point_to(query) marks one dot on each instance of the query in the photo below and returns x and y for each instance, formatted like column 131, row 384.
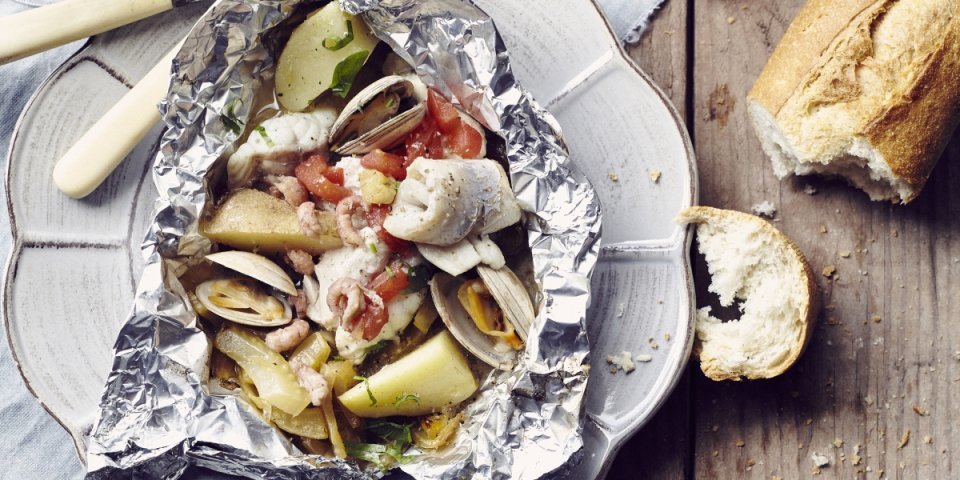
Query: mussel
column 379, row 116
column 490, row 316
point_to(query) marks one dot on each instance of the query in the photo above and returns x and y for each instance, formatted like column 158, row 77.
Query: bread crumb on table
column 904, row 440
column 643, row 357
column 823, row 229
column 829, row 271
column 613, row 177
column 876, row 318
column 765, row 209
column 837, row 443
column 730, row 20
column 923, row 412
column 819, row 460
column 927, row 439
column 809, row 189
column 845, row 253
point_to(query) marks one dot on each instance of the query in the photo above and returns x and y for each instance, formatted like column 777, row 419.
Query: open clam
column 489, row 316
column 242, row 301
column 379, row 116
column 257, row 267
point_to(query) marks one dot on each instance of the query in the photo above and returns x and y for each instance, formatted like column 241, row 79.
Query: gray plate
column 72, row 273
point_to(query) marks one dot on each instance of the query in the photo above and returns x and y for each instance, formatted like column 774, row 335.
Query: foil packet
column 158, row 414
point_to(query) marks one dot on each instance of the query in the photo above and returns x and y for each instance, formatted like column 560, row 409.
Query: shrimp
column 309, row 224
column 346, row 298
column 346, row 210
column 291, row 188
column 312, row 381
column 302, row 262
column 283, row 339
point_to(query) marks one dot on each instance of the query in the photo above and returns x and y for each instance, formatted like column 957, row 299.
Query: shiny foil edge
column 155, row 415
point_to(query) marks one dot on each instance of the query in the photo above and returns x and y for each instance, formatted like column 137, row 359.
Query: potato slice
column 428, row 379
column 256, row 221
column 319, row 56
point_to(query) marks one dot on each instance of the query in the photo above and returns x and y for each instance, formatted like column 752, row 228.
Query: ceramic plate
column 72, row 273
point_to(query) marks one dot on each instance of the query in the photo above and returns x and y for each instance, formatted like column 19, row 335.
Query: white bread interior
column 751, row 261
column 857, row 161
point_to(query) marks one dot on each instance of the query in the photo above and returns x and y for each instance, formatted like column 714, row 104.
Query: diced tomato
column 424, row 141
column 376, row 214
column 312, row 174
column 386, row 163
column 334, row 174
column 442, row 111
column 465, row 142
column 371, row 320
column 389, row 283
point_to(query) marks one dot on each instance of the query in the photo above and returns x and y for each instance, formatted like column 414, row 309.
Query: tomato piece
column 419, row 142
column 371, row 320
column 335, row 175
column 442, row 111
column 386, row 163
column 465, row 142
column 390, row 282
column 312, row 174
column 376, row 214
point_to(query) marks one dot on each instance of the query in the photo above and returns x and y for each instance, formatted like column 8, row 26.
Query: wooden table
column 873, row 391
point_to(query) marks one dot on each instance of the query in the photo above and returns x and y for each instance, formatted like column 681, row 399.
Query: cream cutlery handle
column 98, row 152
column 33, row 31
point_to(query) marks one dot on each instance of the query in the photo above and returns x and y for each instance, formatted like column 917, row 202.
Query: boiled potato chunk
column 252, row 220
column 377, row 188
column 429, row 378
column 307, row 66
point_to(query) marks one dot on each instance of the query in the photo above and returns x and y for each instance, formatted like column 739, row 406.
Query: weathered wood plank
column 886, row 341
column 661, row 449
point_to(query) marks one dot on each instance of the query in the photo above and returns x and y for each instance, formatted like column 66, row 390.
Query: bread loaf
column 751, row 261
column 868, row 90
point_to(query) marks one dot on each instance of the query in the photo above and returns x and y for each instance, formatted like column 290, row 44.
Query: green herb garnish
column 373, row 247
column 406, row 397
column 336, row 43
column 366, row 383
column 391, row 101
column 396, row 438
column 337, row 358
column 346, row 71
column 229, row 117
column 263, row 133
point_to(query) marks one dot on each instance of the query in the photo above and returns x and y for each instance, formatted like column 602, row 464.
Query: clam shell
column 205, row 289
column 257, row 267
column 443, row 289
column 511, row 295
column 387, row 134
column 382, row 135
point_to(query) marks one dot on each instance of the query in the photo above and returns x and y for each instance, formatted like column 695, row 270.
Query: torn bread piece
column 864, row 90
column 751, row 261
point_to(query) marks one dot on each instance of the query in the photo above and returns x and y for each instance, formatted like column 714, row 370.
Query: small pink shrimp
column 309, row 223
column 283, row 339
column 300, row 304
column 346, row 298
column 346, row 210
column 312, row 381
column 302, row 262
column 291, row 188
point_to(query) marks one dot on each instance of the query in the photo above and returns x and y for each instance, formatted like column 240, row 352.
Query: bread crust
column 911, row 126
column 713, row 370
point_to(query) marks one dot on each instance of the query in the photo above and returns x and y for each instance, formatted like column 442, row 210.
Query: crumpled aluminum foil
column 157, row 414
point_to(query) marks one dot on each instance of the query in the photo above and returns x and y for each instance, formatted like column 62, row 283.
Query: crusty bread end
column 865, row 90
column 752, row 261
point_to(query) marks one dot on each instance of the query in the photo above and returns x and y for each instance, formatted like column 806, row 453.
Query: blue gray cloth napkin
column 33, row 444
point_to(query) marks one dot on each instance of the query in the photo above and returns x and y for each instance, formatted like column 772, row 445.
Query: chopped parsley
column 395, row 438
column 366, row 383
column 391, row 100
column 373, row 247
column 336, row 43
column 377, row 347
column 346, row 71
column 406, row 397
column 263, row 133
column 229, row 117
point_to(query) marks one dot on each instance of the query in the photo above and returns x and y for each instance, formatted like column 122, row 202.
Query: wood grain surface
column 873, row 392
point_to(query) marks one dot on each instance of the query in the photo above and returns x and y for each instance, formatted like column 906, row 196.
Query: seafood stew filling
column 358, row 209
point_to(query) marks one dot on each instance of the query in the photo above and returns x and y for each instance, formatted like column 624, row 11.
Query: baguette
column 866, row 90
column 752, row 261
